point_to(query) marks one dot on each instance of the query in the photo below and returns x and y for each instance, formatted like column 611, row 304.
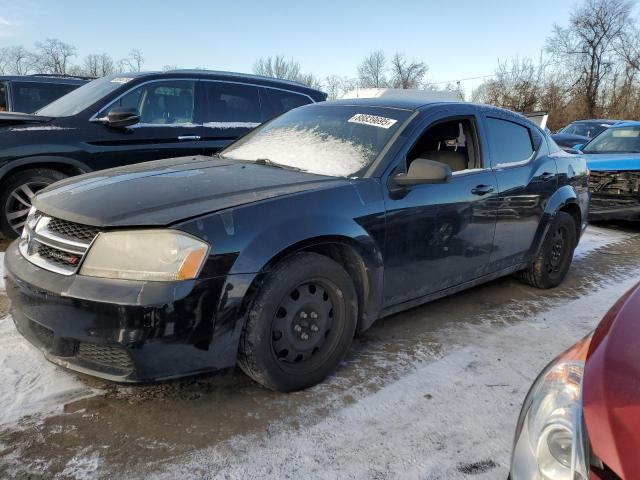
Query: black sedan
column 581, row 132
column 275, row 252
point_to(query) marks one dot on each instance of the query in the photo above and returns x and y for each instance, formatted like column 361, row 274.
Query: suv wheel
column 301, row 323
column 554, row 259
column 16, row 195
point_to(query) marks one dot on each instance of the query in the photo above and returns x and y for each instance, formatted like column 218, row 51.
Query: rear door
column 169, row 125
column 232, row 109
column 527, row 177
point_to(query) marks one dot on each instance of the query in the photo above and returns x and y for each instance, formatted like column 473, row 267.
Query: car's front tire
column 300, row 324
column 16, row 195
column 554, row 258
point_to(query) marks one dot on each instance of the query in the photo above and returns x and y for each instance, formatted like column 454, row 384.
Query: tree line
column 588, row 68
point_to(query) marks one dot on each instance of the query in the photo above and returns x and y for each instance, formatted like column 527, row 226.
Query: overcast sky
column 457, row 39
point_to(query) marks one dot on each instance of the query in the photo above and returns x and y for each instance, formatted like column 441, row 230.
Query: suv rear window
column 510, row 142
column 232, row 105
column 31, row 96
column 280, row 101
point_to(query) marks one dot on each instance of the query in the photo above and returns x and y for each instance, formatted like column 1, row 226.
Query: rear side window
column 3, row 98
column 30, row 96
column 168, row 102
column 232, row 105
column 280, row 101
column 510, row 142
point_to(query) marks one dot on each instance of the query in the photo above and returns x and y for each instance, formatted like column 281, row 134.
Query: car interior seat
column 446, row 143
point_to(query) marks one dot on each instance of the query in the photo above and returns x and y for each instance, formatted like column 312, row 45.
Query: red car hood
column 611, row 392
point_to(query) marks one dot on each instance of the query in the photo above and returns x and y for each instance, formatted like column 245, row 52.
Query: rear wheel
column 554, row 259
column 300, row 325
column 17, row 194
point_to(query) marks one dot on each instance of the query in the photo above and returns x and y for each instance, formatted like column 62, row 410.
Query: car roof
column 224, row 75
column 626, row 123
column 45, row 79
column 408, row 103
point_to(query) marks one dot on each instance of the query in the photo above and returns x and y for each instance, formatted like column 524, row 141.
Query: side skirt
column 451, row 290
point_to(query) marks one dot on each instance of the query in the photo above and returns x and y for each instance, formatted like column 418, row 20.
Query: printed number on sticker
column 373, row 120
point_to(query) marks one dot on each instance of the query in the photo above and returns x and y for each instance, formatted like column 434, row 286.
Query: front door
column 441, row 235
column 168, row 126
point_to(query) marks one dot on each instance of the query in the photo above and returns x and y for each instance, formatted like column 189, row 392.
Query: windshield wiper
column 271, row 163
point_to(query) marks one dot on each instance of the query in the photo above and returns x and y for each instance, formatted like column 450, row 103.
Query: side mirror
column 422, row 170
column 573, row 151
column 578, row 147
column 122, row 117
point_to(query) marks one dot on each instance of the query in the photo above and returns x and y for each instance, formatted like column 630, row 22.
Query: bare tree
column 277, row 67
column 372, row 70
column 16, row 60
column 54, row 56
column 133, row 63
column 588, row 45
column 98, row 65
column 167, row 68
column 406, row 74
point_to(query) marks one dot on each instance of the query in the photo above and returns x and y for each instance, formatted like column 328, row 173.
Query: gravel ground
column 431, row 393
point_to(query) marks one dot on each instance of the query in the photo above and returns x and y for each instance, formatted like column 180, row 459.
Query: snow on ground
column 30, row 384
column 596, row 237
column 449, row 418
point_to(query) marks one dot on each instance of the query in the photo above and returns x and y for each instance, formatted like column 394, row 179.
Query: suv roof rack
column 57, row 75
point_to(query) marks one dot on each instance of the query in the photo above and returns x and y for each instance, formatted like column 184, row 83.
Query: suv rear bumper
column 127, row 331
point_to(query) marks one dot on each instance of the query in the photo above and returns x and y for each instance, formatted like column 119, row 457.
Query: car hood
column 611, row 388
column 606, row 162
column 569, row 137
column 168, row 191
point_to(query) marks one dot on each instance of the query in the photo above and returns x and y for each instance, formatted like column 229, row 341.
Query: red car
column 581, row 418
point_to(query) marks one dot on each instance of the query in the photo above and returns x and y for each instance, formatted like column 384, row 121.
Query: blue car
column 614, row 160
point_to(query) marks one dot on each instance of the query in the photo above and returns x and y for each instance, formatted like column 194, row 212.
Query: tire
column 23, row 184
column 554, row 259
column 300, row 324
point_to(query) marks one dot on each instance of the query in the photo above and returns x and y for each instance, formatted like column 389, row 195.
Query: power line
column 463, row 79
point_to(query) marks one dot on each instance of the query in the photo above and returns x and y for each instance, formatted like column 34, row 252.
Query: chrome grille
column 72, row 230
column 54, row 244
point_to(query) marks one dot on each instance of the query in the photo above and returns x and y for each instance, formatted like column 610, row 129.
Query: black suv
column 131, row 118
column 28, row 93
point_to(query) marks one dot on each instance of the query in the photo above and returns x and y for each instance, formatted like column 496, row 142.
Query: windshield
column 333, row 140
column 584, row 129
column 83, row 97
column 615, row 140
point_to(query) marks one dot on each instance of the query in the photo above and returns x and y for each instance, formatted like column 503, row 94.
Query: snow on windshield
column 310, row 149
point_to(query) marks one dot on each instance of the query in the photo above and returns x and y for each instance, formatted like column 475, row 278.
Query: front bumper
column 127, row 331
column 610, row 207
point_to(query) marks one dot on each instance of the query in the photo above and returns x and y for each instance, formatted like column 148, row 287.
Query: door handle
column 189, row 138
column 482, row 189
column 546, row 176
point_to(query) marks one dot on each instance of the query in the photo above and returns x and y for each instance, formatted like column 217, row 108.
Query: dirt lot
column 430, row 393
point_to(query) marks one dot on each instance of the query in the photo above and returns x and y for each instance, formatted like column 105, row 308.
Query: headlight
column 30, row 224
column 145, row 255
column 550, row 442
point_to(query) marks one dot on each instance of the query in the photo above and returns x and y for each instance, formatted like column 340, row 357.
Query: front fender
column 39, row 160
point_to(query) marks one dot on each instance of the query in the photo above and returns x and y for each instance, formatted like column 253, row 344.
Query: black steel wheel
column 17, row 195
column 554, row 258
column 300, row 325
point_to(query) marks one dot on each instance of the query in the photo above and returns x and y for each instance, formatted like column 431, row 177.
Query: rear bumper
column 127, row 331
column 614, row 208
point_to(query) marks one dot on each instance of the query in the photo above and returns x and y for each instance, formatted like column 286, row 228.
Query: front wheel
column 301, row 323
column 554, row 259
column 17, row 194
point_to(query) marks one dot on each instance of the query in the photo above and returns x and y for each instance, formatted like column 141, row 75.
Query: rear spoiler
column 10, row 118
column 539, row 118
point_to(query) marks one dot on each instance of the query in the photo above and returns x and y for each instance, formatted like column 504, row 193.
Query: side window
column 232, row 105
column 30, row 96
column 453, row 142
column 167, row 102
column 280, row 101
column 510, row 142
